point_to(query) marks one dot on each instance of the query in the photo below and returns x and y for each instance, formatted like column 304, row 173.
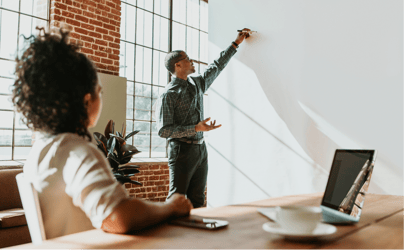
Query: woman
column 58, row 94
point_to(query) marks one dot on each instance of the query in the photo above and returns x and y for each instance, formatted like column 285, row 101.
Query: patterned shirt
column 180, row 107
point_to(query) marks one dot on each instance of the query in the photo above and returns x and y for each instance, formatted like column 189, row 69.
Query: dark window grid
column 152, row 12
column 152, row 48
column 18, row 40
column 20, row 13
column 144, row 46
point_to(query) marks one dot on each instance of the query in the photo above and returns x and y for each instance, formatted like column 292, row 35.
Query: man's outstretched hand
column 241, row 35
column 203, row 126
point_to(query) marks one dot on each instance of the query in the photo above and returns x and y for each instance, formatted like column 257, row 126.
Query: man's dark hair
column 172, row 58
column 52, row 78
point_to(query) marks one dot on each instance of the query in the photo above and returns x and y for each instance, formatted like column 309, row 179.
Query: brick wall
column 155, row 179
column 95, row 23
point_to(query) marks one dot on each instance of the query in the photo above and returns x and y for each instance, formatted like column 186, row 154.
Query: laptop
column 347, row 185
column 346, row 188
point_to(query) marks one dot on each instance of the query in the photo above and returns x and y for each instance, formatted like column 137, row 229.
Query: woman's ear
column 87, row 98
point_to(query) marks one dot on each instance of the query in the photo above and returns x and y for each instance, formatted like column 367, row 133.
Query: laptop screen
column 349, row 179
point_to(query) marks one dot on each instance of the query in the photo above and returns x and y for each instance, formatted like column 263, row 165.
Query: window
column 18, row 18
column 149, row 30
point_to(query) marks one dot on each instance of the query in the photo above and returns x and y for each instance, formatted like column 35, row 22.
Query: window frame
column 14, row 128
column 125, row 41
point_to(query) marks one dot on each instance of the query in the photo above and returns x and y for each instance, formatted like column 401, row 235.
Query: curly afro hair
column 52, row 78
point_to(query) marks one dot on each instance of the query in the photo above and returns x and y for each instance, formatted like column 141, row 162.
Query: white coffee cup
column 298, row 219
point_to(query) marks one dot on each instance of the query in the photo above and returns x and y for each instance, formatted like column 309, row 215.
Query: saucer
column 321, row 230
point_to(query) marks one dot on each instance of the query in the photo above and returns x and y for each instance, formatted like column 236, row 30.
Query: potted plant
column 118, row 152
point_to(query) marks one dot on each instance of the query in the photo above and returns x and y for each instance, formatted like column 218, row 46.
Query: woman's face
column 94, row 106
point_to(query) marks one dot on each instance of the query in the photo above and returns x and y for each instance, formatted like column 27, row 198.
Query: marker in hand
column 249, row 32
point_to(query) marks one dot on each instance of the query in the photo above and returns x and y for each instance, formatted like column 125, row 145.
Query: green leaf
column 102, row 148
column 131, row 134
column 111, row 145
column 129, row 171
column 113, row 162
column 109, row 128
column 100, row 138
column 136, row 182
column 123, row 132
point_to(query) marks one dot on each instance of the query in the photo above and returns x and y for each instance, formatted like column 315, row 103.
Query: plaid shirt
column 180, row 107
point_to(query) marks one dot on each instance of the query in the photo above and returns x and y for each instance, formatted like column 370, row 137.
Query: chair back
column 30, row 203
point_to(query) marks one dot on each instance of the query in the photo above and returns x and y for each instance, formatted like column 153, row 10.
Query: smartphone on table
column 200, row 222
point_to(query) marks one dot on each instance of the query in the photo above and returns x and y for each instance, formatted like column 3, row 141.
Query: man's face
column 186, row 65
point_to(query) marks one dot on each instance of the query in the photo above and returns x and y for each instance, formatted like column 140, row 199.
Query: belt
column 190, row 141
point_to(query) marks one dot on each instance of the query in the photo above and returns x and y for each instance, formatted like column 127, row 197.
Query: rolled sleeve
column 166, row 126
column 91, row 185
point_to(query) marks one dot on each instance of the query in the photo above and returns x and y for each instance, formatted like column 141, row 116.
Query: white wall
column 318, row 76
column 114, row 102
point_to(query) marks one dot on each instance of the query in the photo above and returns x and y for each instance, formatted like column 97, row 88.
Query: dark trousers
column 188, row 165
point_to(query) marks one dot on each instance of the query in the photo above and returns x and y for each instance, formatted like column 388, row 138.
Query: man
column 179, row 114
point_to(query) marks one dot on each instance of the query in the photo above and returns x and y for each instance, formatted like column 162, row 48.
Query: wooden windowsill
column 140, row 161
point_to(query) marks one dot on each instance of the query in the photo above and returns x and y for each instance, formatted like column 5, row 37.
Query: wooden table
column 380, row 226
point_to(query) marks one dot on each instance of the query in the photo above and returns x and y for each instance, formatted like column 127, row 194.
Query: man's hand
column 241, row 35
column 180, row 205
column 202, row 126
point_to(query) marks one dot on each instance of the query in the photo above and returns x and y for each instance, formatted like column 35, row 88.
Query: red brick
column 87, row 45
column 75, row 10
column 89, row 14
column 155, row 167
column 166, row 171
column 68, row 2
column 86, row 51
column 114, row 34
column 115, row 51
column 115, row 23
column 131, row 191
column 166, row 182
column 96, row 59
column 142, row 189
column 103, row 7
column 116, row 63
column 108, row 50
column 83, row 7
column 159, row 183
column 56, row 11
column 101, row 30
column 164, row 177
column 95, row 22
column 60, row 6
column 75, row 35
column 87, row 26
column 101, row 66
column 67, row 14
column 101, row 18
column 80, row 6
column 114, row 68
column 101, row 42
column 141, row 196
column 151, row 195
column 73, row 22
column 103, row 54
column 88, row 39
column 108, row 38
column 89, row 2
column 155, row 178
column 117, row 40
column 94, row 47
column 94, row 34
column 114, row 45
column 58, row 18
column 112, row 5
column 114, row 57
column 116, row 1
column 110, row 27
column 116, row 12
column 80, row 30
column 82, row 18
